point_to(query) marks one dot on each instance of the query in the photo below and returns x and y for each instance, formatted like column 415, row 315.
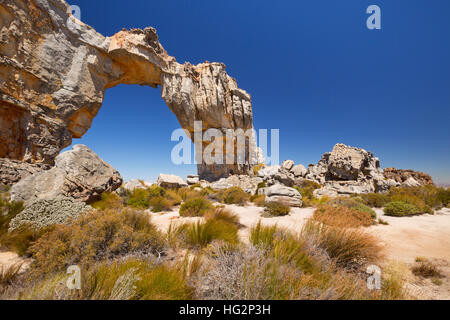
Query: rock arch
column 54, row 71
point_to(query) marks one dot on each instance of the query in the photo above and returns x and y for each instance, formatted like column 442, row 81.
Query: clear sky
column 313, row 69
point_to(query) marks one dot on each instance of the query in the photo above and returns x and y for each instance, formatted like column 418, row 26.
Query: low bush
column 188, row 194
column 352, row 203
column 136, row 280
column 197, row 207
column 258, row 200
column 108, row 201
column 200, row 234
column 94, row 237
column 158, row 204
column 350, row 248
column 234, row 195
column 139, row 199
column 276, row 209
column 263, row 236
column 343, row 217
column 224, row 215
column 20, row 239
column 375, row 200
column 426, row 269
column 306, row 189
column 8, row 211
column 400, row 209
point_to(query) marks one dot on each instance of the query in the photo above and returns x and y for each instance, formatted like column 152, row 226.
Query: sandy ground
column 8, row 259
column 406, row 238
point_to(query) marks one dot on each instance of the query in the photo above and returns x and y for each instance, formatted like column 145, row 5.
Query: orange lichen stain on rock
column 80, row 122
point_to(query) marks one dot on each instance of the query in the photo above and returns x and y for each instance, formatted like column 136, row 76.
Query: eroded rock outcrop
column 79, row 174
column 12, row 171
column 408, row 177
column 347, row 170
column 54, row 71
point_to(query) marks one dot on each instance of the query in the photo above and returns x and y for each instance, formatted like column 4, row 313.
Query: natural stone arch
column 54, row 76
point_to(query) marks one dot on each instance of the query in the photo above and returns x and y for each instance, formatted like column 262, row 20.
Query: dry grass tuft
column 342, row 217
column 426, row 269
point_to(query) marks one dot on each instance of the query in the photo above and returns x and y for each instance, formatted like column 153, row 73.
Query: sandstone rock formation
column 45, row 212
column 405, row 176
column 78, row 173
column 12, row 171
column 280, row 193
column 347, row 170
column 54, row 71
column 170, row 181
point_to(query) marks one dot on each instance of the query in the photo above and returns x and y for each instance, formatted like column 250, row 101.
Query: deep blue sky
column 313, row 69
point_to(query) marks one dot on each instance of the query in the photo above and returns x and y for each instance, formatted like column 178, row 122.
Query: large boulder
column 281, row 193
column 287, row 165
column 170, row 181
column 78, row 173
column 299, row 171
column 192, row 179
column 45, row 212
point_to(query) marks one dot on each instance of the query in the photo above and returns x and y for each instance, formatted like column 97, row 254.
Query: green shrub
column 8, row 211
column 276, row 209
column 108, row 201
column 263, row 235
column 234, row 195
column 94, row 237
column 375, row 200
column 200, row 234
column 159, row 204
column 136, row 280
column 306, row 189
column 352, row 203
column 196, row 207
column 400, row 209
column 224, row 215
column 189, row 194
column 139, row 198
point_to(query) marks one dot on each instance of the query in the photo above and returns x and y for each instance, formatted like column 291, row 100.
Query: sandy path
column 406, row 238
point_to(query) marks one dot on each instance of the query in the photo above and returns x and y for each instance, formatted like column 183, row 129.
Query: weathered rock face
column 54, row 71
column 283, row 194
column 78, row 174
column 12, row 171
column 405, row 176
column 246, row 183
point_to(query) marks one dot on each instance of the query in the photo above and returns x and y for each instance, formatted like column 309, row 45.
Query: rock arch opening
column 54, row 84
